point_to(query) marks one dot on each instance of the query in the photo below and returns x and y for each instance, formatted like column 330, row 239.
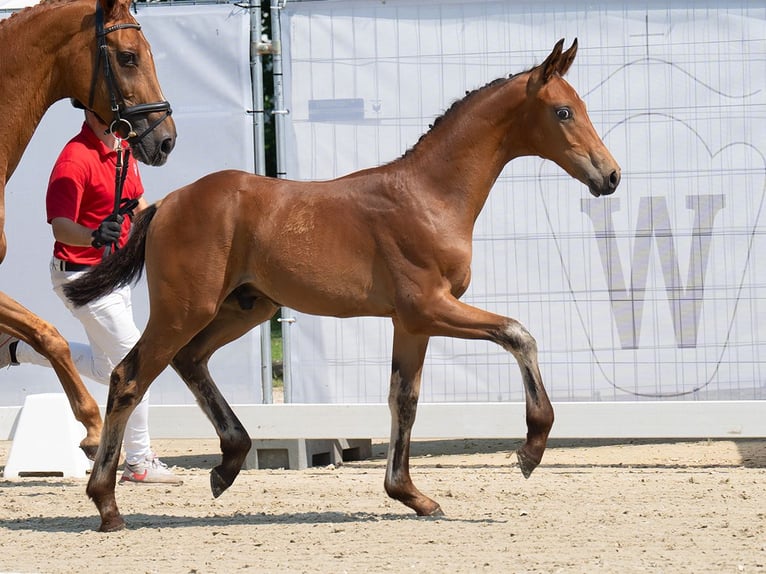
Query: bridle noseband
column 120, row 125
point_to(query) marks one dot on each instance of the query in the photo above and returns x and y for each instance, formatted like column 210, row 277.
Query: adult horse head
column 124, row 90
column 92, row 51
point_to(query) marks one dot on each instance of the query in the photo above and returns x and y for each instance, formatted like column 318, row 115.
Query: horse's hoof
column 436, row 512
column 112, row 525
column 526, row 464
column 90, row 451
column 217, row 484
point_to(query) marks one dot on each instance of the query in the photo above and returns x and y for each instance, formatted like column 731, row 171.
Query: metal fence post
column 279, row 117
column 259, row 117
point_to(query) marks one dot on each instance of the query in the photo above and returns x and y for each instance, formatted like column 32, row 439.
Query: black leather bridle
column 120, row 125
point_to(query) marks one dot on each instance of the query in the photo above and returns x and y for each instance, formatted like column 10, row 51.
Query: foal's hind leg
column 406, row 368
column 45, row 339
column 443, row 315
column 122, row 399
column 127, row 386
column 190, row 363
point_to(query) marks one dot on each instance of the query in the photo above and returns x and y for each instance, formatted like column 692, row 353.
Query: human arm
column 72, row 233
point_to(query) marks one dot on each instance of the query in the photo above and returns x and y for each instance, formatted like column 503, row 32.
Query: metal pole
column 279, row 116
column 256, row 73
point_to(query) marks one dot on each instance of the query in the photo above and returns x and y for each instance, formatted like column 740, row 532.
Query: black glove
column 108, row 231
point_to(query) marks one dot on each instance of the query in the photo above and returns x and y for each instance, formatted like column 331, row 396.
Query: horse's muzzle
column 607, row 186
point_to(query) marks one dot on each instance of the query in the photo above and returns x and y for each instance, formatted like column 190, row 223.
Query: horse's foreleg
column 406, row 367
column 236, row 317
column 443, row 315
column 44, row 338
column 516, row 339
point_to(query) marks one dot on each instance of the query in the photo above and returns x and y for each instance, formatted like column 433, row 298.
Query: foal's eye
column 564, row 114
column 126, row 59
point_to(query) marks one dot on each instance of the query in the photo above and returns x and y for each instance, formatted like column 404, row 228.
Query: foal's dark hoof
column 526, row 463
column 217, row 483
column 112, row 525
column 90, row 451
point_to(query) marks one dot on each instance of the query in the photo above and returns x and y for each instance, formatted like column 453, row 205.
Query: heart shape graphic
column 664, row 277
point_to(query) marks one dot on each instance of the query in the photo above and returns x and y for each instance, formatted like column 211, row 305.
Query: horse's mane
column 42, row 4
column 458, row 104
column 46, row 3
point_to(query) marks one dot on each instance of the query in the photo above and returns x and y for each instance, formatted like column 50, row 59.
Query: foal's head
column 559, row 127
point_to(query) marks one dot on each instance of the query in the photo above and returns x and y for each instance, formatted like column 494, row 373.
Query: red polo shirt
column 81, row 188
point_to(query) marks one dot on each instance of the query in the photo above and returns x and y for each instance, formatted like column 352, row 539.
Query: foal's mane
column 458, row 105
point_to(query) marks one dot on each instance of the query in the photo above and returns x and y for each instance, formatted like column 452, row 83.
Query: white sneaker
column 149, row 471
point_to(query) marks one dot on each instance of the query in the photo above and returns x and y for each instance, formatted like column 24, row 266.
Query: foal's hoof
column 436, row 512
column 217, row 483
column 112, row 525
column 526, row 463
column 90, row 451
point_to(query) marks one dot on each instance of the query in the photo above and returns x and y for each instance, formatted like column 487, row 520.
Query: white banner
column 658, row 291
column 202, row 57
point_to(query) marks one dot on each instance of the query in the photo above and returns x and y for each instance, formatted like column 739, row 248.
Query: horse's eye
column 127, row 59
column 564, row 114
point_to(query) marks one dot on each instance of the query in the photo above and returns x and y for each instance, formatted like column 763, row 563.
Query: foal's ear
column 566, row 59
column 551, row 64
column 558, row 62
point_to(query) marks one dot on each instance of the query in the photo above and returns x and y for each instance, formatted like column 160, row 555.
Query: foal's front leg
column 539, row 411
column 406, row 368
column 448, row 317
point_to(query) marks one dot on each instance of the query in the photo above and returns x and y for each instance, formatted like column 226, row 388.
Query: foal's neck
column 466, row 150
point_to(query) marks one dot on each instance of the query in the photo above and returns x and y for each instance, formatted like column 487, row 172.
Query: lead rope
column 121, row 172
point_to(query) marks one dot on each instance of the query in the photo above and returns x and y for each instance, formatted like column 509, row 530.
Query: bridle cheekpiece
column 120, row 125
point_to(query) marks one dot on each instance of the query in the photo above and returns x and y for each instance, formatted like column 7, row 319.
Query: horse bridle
column 120, row 125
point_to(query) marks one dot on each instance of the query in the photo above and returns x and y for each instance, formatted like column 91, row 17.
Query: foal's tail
column 121, row 268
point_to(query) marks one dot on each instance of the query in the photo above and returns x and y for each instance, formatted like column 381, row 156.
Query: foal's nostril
column 614, row 179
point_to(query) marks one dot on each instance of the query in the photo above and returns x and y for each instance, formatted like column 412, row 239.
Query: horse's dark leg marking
column 234, row 439
column 406, row 368
column 240, row 313
column 444, row 315
column 123, row 398
column 517, row 340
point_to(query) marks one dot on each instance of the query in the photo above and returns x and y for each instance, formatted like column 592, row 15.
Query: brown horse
column 223, row 253
column 94, row 52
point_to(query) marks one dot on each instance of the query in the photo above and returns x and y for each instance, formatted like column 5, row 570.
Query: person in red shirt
column 80, row 209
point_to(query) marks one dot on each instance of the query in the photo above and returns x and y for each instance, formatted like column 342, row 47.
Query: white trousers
column 111, row 332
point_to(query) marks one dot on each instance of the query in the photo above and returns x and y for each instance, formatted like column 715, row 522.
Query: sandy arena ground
column 682, row 507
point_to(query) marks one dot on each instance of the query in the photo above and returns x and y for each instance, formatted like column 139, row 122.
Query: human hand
column 108, row 231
